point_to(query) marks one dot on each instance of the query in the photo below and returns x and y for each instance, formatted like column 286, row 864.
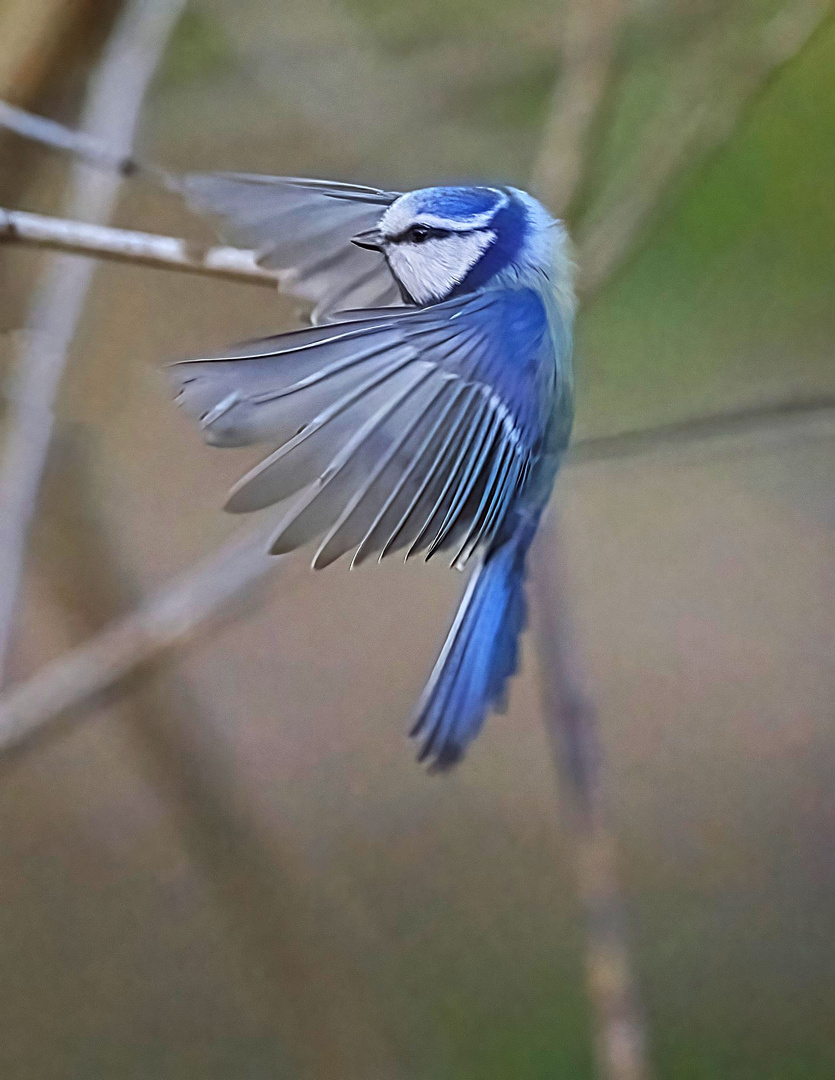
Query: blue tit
column 426, row 408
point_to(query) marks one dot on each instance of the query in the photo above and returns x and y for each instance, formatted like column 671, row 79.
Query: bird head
column 443, row 240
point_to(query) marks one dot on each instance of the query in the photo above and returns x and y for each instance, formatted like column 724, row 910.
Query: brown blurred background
column 236, row 869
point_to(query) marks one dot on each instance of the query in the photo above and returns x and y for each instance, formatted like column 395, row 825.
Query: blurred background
column 235, row 868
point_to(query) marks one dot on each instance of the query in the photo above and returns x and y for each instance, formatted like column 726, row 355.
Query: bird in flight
column 425, row 408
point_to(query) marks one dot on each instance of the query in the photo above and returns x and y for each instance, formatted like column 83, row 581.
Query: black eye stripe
column 418, row 234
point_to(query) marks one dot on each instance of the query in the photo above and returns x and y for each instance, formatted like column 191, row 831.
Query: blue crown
column 462, row 204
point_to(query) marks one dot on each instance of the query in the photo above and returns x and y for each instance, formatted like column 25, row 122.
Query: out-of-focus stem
column 187, row 606
column 569, row 715
column 111, row 114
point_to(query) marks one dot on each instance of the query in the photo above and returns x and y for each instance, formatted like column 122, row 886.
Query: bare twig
column 694, row 123
column 186, row 607
column 742, row 428
column 570, row 720
column 619, row 1029
column 689, row 129
column 111, row 114
column 82, row 145
column 589, row 45
column 125, row 245
column 252, row 875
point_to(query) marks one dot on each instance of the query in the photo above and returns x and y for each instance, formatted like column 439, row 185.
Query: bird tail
column 480, row 654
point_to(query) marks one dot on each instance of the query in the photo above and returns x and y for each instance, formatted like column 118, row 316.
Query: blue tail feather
column 480, row 655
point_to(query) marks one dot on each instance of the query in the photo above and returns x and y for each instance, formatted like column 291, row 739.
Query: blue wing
column 303, row 227
column 414, row 428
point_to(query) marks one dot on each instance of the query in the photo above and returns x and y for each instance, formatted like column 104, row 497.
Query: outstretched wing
column 414, row 428
column 303, row 228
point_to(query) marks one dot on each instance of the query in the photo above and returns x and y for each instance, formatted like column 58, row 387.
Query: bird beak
column 371, row 239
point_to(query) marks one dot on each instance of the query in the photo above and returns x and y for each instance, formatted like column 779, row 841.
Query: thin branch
column 82, row 145
column 197, row 600
column 570, row 720
column 182, row 610
column 683, row 135
column 752, row 424
column 111, row 114
column 693, row 124
column 126, row 245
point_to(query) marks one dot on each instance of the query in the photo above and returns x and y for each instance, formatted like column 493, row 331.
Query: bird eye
column 419, row 233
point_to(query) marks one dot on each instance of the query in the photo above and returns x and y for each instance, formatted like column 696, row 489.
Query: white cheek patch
column 431, row 270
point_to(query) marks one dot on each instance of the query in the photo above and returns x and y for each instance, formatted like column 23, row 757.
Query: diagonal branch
column 82, row 145
column 198, row 599
column 111, row 114
column 126, row 245
column 693, row 124
column 686, row 132
column 619, row 1034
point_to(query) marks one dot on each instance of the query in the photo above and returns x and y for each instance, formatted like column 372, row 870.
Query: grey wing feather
column 363, row 510
column 430, row 493
column 384, row 443
column 389, row 525
column 303, row 228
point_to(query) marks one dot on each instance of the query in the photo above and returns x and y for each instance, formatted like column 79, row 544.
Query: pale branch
column 619, row 1030
column 193, row 602
column 570, row 721
column 81, row 144
column 111, row 115
column 737, row 430
column 126, row 245
column 201, row 595
column 693, row 123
